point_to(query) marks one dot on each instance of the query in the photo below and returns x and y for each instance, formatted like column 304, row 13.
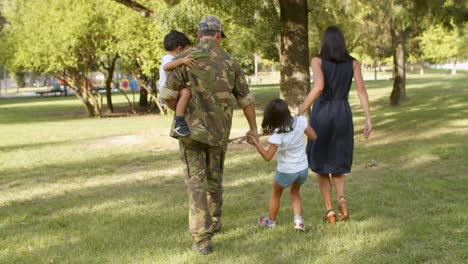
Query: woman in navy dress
column 331, row 118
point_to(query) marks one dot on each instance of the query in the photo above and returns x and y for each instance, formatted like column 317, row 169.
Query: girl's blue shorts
column 287, row 179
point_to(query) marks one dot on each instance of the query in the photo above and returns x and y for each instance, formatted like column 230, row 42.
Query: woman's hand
column 367, row 128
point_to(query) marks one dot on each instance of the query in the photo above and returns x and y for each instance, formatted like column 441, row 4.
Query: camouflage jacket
column 214, row 81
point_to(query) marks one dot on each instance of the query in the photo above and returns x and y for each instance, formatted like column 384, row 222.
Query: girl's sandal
column 330, row 218
column 343, row 206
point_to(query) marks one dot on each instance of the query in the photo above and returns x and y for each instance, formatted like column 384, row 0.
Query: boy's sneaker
column 266, row 222
column 181, row 128
column 299, row 226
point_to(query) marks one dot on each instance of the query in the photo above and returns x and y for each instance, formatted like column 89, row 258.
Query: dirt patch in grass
column 118, row 141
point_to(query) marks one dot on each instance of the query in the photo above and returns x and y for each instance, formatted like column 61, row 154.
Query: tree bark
column 1, row 79
column 294, row 52
column 454, row 68
column 2, row 21
column 143, row 10
column 399, row 64
column 143, row 102
column 110, row 74
column 375, row 71
column 81, row 88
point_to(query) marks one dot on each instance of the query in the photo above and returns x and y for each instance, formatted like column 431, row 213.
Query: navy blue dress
column 332, row 120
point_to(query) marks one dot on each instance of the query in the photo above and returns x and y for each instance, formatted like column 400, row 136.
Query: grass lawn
column 110, row 190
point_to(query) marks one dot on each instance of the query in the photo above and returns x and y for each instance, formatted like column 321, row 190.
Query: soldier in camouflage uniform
column 213, row 81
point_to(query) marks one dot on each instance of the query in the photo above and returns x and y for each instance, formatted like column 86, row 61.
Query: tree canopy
column 79, row 36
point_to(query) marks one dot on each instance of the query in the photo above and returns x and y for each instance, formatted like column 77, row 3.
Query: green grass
column 79, row 190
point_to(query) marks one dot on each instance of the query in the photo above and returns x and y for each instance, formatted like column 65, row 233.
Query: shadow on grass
column 32, row 110
column 146, row 220
column 410, row 208
column 20, row 147
column 51, row 109
column 433, row 106
column 80, row 171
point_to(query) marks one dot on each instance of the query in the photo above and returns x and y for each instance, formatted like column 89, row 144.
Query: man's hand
column 252, row 140
column 252, row 137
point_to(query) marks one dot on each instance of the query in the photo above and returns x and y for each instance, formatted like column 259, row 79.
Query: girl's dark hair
column 334, row 46
column 175, row 39
column 277, row 116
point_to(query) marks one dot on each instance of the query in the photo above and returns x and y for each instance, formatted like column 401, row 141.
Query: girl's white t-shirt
column 291, row 152
column 162, row 73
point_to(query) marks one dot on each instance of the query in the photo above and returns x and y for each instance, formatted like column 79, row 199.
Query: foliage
column 52, row 36
column 253, row 26
column 375, row 27
column 439, row 44
column 139, row 41
column 343, row 14
column 80, row 36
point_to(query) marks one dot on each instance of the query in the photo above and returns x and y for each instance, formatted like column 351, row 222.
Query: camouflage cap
column 211, row 23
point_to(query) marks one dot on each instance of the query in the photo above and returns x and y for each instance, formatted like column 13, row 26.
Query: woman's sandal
column 344, row 213
column 331, row 219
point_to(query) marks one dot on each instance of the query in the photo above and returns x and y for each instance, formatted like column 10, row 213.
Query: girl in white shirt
column 287, row 140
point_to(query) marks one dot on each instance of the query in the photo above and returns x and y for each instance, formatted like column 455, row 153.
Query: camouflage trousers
column 204, row 166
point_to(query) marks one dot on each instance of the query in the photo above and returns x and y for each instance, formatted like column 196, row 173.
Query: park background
column 93, row 177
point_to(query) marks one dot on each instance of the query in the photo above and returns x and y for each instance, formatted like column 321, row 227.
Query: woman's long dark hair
column 334, row 46
column 277, row 116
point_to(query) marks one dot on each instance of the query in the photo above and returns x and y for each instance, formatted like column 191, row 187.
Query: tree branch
column 3, row 21
column 143, row 10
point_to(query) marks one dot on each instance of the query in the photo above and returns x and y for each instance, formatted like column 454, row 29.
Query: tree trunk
column 399, row 64
column 19, row 77
column 454, row 69
column 65, row 84
column 109, row 77
column 143, row 102
column 82, row 89
column 89, row 107
column 375, row 71
column 1, row 75
column 143, row 10
column 143, row 98
column 79, row 92
column 294, row 52
column 146, row 86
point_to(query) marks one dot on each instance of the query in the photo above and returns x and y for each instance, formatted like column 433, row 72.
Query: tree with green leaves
column 441, row 44
column 279, row 27
column 54, row 43
column 79, row 37
column 265, row 26
column 370, row 24
column 402, row 20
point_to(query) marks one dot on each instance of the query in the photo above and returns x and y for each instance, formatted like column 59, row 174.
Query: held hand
column 367, row 128
column 252, row 137
column 252, row 140
column 188, row 60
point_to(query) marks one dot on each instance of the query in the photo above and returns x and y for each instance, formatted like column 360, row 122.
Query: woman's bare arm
column 363, row 98
column 318, row 86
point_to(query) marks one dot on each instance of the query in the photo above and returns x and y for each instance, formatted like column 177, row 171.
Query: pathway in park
column 16, row 95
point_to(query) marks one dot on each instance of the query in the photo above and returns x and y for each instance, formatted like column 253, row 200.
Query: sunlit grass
column 79, row 190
